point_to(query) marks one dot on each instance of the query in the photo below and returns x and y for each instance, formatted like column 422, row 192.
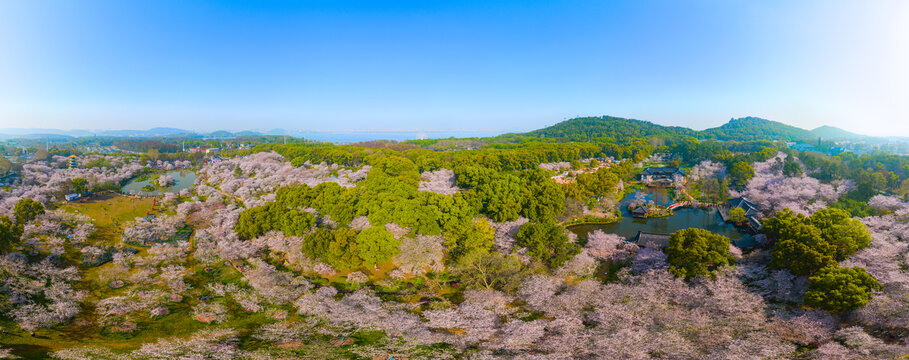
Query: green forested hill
column 831, row 132
column 618, row 129
column 606, row 127
column 753, row 128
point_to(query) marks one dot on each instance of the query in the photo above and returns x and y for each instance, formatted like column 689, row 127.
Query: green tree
column 27, row 210
column 792, row 168
column 256, row 221
column 799, row 245
column 5, row 165
column 502, row 198
column 153, row 154
column 543, row 201
column 840, row 288
column 807, row 244
column 741, row 172
column 547, row 242
column 9, row 233
column 471, row 177
column 469, row 235
column 296, row 223
column 737, row 215
column 337, row 248
column 344, row 251
column 801, row 258
column 693, row 252
column 839, row 229
column 79, row 185
column 377, row 245
column 42, row 155
column 780, row 225
column 489, row 270
column 316, row 243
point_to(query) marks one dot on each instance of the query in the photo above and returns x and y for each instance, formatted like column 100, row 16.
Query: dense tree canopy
column 792, row 168
column 543, row 200
column 337, row 248
column 376, row 245
column 468, row 235
column 9, row 233
column 79, row 185
column 741, row 172
column 257, row 220
column 840, row 288
column 295, row 222
column 800, row 246
column 547, row 242
column 693, row 252
column 27, row 210
column 803, row 256
column 838, row 228
column 807, row 244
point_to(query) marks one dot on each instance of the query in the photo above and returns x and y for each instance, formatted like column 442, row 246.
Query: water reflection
column 183, row 179
column 629, row 226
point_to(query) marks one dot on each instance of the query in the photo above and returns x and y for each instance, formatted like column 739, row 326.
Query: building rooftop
column 750, row 208
column 642, row 238
column 665, row 171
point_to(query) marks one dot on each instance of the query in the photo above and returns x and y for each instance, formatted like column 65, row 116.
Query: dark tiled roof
column 750, row 208
column 755, row 223
column 663, row 171
column 642, row 238
column 639, row 210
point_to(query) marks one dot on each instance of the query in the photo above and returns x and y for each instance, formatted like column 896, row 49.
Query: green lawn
column 110, row 211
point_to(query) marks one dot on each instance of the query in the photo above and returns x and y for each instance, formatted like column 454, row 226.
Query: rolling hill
column 606, row 127
column 754, row 128
column 740, row 129
column 832, row 132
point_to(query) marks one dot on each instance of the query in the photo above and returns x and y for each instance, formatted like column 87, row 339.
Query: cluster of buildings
column 662, row 176
column 201, row 150
column 104, row 149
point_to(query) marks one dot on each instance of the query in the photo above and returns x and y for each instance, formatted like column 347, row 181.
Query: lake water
column 183, row 179
column 708, row 219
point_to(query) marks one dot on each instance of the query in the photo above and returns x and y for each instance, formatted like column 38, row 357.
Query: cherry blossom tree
column 441, row 181
column 421, row 254
column 772, row 191
column 609, row 247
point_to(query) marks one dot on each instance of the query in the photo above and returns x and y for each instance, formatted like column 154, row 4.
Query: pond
column 708, row 219
column 183, row 179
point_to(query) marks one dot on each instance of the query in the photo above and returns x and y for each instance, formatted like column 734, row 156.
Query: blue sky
column 451, row 65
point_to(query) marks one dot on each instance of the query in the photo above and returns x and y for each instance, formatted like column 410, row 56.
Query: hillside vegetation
column 616, row 129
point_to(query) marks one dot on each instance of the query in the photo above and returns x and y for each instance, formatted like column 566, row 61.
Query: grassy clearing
column 109, row 212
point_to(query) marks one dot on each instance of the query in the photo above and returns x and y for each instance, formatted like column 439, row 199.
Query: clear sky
column 451, row 65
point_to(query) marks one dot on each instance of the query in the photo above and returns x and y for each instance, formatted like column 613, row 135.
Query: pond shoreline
column 183, row 179
column 688, row 216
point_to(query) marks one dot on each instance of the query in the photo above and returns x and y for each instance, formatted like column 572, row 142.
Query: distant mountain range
column 577, row 129
column 741, row 129
column 56, row 135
